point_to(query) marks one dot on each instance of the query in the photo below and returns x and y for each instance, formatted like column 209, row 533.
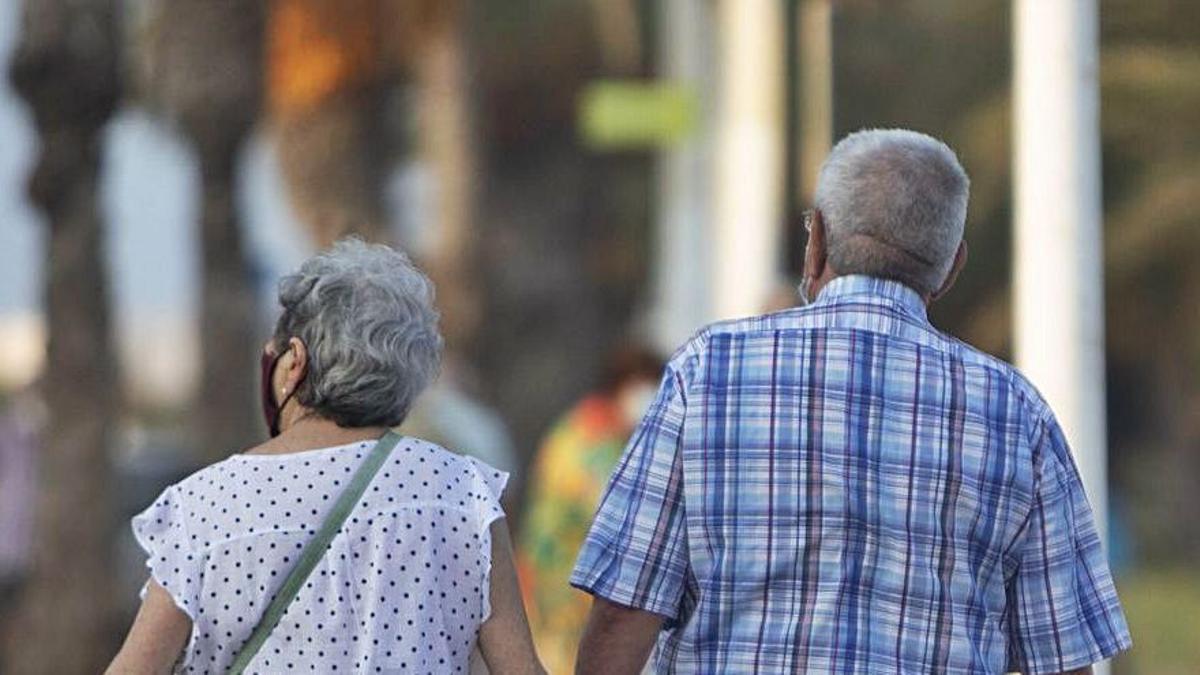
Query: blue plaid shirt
column 842, row 488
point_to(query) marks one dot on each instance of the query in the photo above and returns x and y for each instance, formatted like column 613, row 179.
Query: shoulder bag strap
column 314, row 550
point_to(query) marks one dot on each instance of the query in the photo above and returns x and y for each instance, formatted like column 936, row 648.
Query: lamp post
column 1059, row 285
column 682, row 284
column 748, row 165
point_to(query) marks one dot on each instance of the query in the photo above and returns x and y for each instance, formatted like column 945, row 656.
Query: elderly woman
column 416, row 568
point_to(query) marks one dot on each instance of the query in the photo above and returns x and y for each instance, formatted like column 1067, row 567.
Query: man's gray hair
column 894, row 203
column 366, row 315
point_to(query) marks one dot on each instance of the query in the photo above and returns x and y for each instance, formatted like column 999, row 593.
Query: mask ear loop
column 806, row 280
column 275, row 430
column 278, row 411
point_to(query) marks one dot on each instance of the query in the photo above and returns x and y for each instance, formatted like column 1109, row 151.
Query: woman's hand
column 158, row 636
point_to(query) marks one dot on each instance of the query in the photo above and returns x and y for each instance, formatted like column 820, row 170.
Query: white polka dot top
column 402, row 589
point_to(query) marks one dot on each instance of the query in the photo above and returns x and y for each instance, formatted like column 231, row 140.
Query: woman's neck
column 312, row 433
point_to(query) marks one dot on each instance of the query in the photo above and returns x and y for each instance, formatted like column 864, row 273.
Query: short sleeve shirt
column 843, row 488
column 402, row 589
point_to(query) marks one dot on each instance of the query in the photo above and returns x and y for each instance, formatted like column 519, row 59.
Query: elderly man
column 843, row 488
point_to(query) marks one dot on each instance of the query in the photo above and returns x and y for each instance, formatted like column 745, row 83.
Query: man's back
column 842, row 488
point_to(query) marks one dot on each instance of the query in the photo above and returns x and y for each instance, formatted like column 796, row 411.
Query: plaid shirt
column 842, row 488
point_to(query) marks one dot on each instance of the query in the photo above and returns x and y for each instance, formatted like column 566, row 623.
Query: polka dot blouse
column 402, row 589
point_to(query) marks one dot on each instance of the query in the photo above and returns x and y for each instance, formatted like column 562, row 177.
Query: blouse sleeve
column 486, row 490
column 161, row 530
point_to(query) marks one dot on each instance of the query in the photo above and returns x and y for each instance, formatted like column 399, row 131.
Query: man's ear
column 960, row 261
column 815, row 252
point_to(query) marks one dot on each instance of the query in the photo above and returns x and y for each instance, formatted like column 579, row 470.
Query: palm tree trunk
column 66, row 68
column 561, row 247
column 326, row 107
column 204, row 71
column 448, row 143
column 226, row 417
column 333, row 167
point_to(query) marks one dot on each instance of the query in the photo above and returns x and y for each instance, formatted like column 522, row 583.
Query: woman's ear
column 297, row 364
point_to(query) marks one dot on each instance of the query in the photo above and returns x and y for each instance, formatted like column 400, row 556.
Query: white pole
column 682, row 260
column 748, row 163
column 1059, row 292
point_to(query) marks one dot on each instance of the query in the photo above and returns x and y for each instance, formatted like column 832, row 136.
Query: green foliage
column 1163, row 609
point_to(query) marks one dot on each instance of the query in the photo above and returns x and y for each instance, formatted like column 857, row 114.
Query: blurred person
column 843, row 488
column 19, row 423
column 449, row 415
column 568, row 476
column 420, row 570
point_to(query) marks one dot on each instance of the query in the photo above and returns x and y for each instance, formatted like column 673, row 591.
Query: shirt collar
column 853, row 285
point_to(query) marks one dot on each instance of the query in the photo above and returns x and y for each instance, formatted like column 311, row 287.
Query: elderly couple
column 835, row 488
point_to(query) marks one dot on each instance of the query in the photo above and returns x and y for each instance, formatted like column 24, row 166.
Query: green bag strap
column 314, row 550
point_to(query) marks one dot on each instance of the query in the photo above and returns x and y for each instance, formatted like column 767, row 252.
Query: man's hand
column 617, row 640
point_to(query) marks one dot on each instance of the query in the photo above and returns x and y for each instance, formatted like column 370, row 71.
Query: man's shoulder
column 687, row 358
column 1007, row 373
column 749, row 325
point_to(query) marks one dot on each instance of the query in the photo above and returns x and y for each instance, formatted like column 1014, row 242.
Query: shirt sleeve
column 162, row 533
column 1063, row 611
column 635, row 553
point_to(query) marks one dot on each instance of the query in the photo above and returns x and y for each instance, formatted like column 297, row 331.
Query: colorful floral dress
column 568, row 478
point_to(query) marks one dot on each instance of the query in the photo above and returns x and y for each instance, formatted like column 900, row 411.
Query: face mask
column 271, row 409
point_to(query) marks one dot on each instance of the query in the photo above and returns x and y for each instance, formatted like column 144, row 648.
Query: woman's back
column 402, row 588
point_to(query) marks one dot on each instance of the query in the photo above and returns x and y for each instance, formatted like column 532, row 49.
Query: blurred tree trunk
column 448, row 143
column 618, row 35
column 329, row 68
column 204, row 68
column 227, row 418
column 326, row 107
column 815, row 32
column 564, row 241
column 66, row 68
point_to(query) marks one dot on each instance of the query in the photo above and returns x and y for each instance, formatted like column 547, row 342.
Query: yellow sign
column 630, row 114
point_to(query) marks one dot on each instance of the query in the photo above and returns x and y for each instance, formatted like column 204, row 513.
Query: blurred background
column 574, row 176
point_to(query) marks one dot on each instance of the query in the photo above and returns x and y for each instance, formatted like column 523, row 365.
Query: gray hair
column 894, row 203
column 366, row 315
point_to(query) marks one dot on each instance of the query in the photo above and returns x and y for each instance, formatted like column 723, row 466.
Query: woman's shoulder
column 210, row 476
column 463, row 472
column 422, row 451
